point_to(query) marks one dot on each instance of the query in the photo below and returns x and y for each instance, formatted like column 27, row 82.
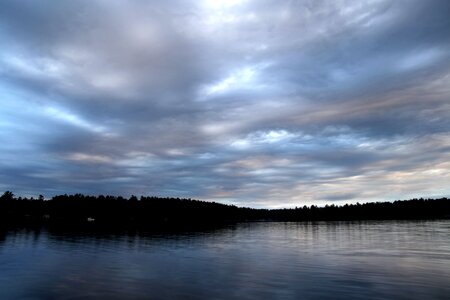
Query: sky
column 260, row 103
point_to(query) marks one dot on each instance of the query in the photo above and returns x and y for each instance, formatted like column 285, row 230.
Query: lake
column 321, row 260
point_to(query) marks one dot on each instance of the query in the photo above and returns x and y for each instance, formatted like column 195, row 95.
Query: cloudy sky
column 262, row 103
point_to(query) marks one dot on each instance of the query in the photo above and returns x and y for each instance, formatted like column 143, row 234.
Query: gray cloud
column 258, row 103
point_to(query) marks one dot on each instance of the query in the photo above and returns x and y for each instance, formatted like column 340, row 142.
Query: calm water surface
column 329, row 260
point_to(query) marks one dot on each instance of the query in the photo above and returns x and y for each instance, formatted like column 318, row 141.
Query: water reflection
column 324, row 260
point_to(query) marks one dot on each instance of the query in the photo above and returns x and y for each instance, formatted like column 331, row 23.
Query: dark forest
column 149, row 212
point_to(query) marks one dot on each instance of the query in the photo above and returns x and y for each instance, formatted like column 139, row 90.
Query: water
column 326, row 260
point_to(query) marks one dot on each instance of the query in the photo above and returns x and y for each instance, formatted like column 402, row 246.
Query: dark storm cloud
column 259, row 103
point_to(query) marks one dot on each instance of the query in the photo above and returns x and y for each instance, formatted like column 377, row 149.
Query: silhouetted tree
column 7, row 196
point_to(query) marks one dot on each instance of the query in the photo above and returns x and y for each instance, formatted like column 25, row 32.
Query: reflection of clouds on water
column 326, row 260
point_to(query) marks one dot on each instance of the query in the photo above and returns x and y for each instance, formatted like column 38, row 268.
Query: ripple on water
column 322, row 260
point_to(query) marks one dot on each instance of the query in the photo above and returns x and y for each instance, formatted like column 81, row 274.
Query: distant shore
column 151, row 212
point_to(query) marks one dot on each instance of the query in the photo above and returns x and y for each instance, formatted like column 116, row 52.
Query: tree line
column 79, row 209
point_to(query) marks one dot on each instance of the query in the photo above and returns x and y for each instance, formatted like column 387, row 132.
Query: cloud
column 258, row 103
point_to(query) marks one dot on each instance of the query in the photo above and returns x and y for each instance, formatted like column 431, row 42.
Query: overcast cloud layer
column 262, row 103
